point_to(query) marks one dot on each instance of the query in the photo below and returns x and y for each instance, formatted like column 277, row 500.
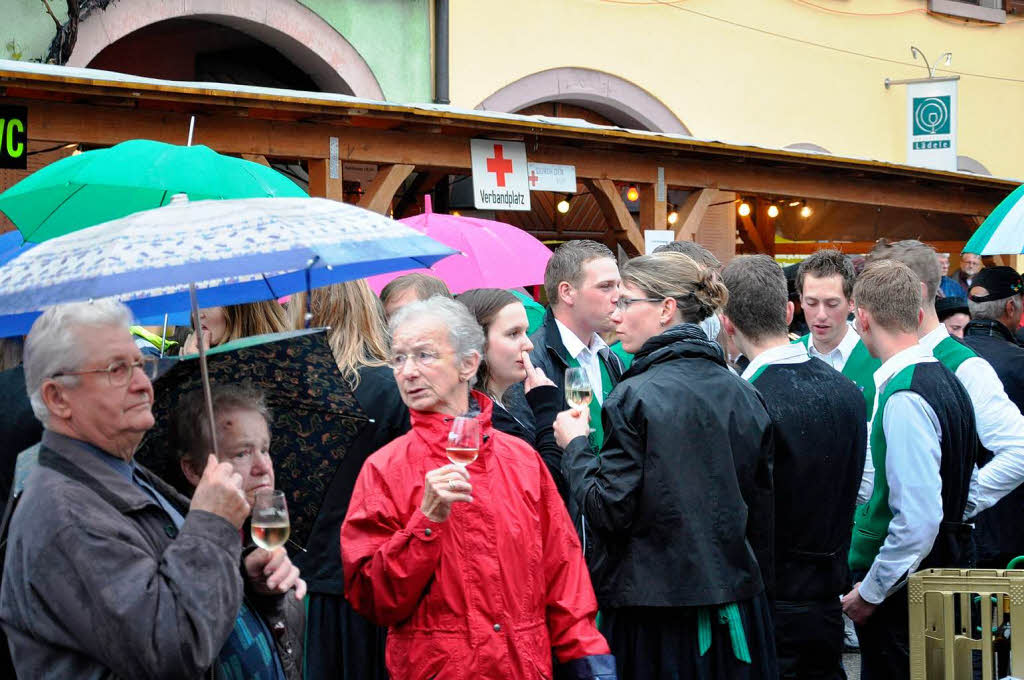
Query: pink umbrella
column 493, row 254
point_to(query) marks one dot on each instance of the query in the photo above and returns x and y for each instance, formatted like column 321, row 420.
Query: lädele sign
column 931, row 123
column 500, row 180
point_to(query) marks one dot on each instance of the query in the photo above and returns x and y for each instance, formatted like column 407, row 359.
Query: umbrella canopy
column 316, row 417
column 1002, row 232
column 105, row 184
column 233, row 250
column 493, row 254
column 534, row 311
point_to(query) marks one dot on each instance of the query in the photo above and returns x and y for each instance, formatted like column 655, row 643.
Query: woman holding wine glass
column 681, row 495
column 274, row 589
column 473, row 565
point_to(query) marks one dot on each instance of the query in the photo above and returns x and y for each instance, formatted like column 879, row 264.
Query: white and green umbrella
column 1002, row 232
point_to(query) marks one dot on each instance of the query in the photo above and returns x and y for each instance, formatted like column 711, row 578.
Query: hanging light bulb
column 805, row 211
column 793, row 204
column 632, row 193
column 673, row 217
column 456, row 213
column 563, row 205
column 773, row 211
column 744, row 209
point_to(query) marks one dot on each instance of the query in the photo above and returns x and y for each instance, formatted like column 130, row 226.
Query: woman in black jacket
column 340, row 643
column 680, row 498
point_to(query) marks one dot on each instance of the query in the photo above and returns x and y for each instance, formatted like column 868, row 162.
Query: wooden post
column 321, row 184
column 765, row 226
column 383, row 187
column 653, row 213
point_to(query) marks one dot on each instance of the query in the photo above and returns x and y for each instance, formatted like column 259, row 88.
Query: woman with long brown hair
column 219, row 325
column 339, row 642
column 680, row 499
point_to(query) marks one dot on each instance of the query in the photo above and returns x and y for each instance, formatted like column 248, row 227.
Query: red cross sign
column 499, row 165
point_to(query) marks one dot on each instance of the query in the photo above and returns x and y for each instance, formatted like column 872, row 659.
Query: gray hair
column 992, row 310
column 465, row 334
column 53, row 343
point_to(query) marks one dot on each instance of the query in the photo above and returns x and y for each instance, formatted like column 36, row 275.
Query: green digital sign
column 13, row 137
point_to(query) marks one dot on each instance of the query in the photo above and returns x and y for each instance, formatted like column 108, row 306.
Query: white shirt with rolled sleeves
column 586, row 356
column 1000, row 429
column 912, row 461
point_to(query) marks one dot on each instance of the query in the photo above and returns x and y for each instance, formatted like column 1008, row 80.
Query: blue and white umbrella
column 233, row 251
column 1002, row 232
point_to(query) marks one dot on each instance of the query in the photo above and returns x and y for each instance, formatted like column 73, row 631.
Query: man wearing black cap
column 996, row 309
column 954, row 313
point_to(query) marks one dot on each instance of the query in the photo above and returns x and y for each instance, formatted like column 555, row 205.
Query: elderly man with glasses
column 109, row 571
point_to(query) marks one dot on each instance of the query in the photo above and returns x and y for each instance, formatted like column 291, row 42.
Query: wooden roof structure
column 90, row 107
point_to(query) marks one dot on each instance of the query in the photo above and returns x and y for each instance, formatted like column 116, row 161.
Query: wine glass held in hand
column 270, row 525
column 463, row 441
column 578, row 392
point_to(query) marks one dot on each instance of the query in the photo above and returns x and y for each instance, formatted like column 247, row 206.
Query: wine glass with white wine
column 269, row 524
column 463, row 441
column 578, row 391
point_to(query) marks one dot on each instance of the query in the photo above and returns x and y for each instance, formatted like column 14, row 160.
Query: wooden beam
column 57, row 122
column 765, row 225
column 616, row 215
column 692, row 212
column 854, row 247
column 256, row 158
column 653, row 213
column 321, row 184
column 383, row 187
column 751, row 235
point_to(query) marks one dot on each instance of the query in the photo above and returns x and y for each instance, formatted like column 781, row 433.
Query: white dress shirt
column 586, row 356
column 838, row 357
column 789, row 353
column 1000, row 429
column 912, row 461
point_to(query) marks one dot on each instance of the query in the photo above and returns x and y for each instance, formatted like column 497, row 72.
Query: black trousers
column 885, row 638
column 809, row 640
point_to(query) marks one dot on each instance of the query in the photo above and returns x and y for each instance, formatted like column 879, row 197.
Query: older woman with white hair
column 475, row 569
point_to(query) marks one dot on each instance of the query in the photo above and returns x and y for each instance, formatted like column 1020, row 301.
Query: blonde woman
column 340, row 643
column 224, row 324
column 680, row 499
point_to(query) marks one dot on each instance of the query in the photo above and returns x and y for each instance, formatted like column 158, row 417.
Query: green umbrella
column 1002, row 232
column 534, row 310
column 98, row 186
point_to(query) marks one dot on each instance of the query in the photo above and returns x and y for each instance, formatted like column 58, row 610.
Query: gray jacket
column 98, row 582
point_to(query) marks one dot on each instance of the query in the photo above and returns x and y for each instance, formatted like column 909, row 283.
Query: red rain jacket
column 485, row 594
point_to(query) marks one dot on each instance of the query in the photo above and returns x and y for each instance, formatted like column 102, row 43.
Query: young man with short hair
column 923, row 445
column 819, row 455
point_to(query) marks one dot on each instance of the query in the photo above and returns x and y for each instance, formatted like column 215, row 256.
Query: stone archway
column 286, row 25
column 618, row 100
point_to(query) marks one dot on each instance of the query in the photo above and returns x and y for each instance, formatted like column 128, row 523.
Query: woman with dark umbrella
column 680, row 498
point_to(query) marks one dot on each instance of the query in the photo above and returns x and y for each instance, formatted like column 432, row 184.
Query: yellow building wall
column 733, row 78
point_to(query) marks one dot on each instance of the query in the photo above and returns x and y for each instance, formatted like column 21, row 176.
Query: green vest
column 951, row 353
column 871, row 521
column 860, row 368
column 597, row 436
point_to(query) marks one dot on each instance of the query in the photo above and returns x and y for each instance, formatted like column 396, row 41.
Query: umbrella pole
column 163, row 338
column 191, row 128
column 203, row 372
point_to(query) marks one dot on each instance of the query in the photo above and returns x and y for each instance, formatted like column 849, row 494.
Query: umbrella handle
column 203, row 371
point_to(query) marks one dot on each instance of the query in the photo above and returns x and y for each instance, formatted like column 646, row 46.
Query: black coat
column 999, row 533
column 681, row 496
column 380, row 400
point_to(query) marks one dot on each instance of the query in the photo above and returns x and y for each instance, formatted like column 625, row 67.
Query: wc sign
column 13, row 137
column 931, row 123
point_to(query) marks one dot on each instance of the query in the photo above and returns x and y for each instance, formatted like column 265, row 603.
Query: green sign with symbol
column 14, row 137
column 931, row 115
